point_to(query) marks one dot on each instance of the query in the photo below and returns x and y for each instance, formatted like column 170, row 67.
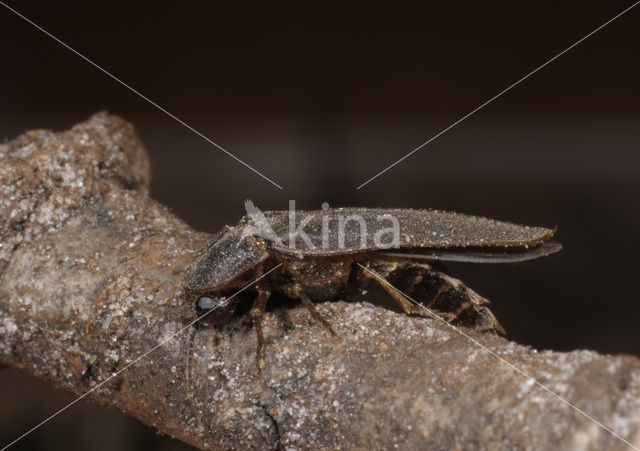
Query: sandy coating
column 418, row 229
column 226, row 257
column 240, row 249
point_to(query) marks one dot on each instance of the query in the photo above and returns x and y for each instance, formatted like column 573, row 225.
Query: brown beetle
column 321, row 254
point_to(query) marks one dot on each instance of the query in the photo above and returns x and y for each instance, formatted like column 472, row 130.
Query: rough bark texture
column 90, row 273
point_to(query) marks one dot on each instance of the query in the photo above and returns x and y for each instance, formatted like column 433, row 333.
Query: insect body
column 319, row 255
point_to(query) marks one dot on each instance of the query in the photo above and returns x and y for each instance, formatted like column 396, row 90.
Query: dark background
column 320, row 99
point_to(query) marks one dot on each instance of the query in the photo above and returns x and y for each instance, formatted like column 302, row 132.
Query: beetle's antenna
column 187, row 365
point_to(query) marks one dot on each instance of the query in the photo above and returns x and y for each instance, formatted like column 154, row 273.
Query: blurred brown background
column 320, row 99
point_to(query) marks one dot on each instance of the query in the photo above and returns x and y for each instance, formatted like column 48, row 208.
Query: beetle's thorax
column 319, row 278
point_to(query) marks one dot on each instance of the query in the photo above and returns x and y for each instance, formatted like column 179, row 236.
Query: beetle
column 332, row 251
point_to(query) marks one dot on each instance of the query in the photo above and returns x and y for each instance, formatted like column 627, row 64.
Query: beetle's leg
column 316, row 314
column 380, row 279
column 257, row 311
column 296, row 291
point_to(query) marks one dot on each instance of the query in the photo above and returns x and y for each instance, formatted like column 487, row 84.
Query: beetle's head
column 218, row 307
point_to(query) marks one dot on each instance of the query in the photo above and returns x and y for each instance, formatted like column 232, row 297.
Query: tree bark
column 91, row 272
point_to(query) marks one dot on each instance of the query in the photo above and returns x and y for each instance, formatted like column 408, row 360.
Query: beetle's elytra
column 322, row 254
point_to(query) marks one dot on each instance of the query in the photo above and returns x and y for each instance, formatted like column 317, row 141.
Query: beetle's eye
column 215, row 308
column 209, row 303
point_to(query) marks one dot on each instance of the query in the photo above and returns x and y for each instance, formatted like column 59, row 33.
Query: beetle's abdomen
column 440, row 293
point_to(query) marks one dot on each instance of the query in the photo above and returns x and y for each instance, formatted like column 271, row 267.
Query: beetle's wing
column 341, row 229
column 477, row 255
column 228, row 256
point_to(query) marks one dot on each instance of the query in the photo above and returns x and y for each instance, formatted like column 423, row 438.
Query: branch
column 90, row 271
